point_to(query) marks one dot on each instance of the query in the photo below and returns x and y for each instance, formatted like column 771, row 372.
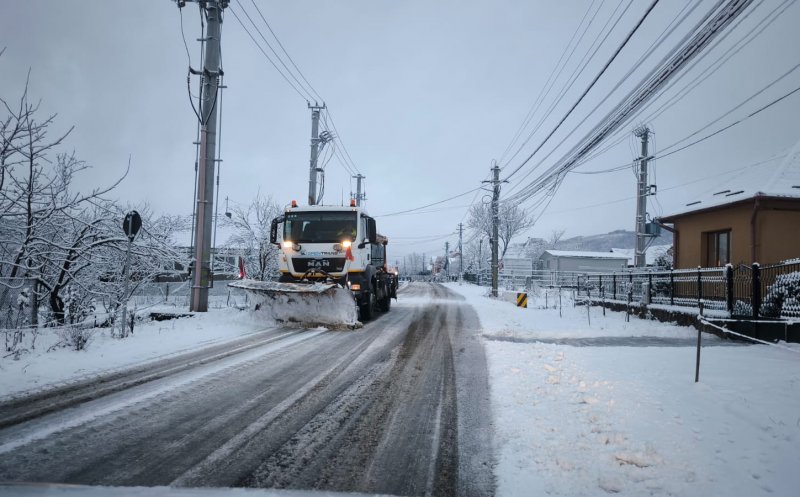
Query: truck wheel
column 367, row 309
column 386, row 303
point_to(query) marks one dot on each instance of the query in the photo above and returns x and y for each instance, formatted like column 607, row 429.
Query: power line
column 588, row 88
column 258, row 45
column 431, row 204
column 548, row 85
column 654, row 81
column 673, row 187
column 278, row 57
column 285, row 52
column 572, row 78
column 725, row 128
column 306, row 94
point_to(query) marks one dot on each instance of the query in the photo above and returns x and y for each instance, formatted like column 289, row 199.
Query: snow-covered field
column 611, row 416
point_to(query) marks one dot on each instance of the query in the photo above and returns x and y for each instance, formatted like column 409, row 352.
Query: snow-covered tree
column 70, row 243
column 251, row 226
column 513, row 221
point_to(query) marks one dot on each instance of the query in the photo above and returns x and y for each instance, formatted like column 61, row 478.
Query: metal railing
column 748, row 291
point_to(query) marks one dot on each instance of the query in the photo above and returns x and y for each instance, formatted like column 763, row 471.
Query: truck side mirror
column 372, row 232
column 273, row 230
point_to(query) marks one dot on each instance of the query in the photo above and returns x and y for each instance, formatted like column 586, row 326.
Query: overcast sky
column 424, row 93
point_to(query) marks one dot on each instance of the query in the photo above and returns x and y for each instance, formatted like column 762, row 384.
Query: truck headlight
column 287, row 244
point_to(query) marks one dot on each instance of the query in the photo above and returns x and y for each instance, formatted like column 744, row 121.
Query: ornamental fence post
column 756, row 291
column 729, row 287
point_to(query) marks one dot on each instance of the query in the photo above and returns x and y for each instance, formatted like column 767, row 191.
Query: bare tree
column 555, row 237
column 251, row 226
column 513, row 221
column 70, row 243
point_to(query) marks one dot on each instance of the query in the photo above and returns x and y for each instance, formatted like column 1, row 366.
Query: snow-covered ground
column 612, row 416
column 151, row 340
column 582, row 404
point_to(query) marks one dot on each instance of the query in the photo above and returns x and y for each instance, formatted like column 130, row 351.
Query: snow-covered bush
column 742, row 308
column 73, row 337
column 782, row 296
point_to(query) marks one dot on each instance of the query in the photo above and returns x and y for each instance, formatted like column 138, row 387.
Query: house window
column 718, row 248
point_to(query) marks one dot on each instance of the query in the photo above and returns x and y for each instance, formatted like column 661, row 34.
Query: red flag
column 242, row 272
column 349, row 254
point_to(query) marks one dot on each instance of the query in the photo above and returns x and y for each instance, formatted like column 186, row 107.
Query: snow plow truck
column 333, row 268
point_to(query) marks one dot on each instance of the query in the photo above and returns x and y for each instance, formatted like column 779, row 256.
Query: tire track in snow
column 46, row 428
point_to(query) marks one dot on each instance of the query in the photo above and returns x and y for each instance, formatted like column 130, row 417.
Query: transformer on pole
column 313, row 170
column 642, row 191
column 495, row 181
column 359, row 195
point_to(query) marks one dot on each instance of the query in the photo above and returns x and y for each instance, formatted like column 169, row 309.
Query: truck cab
column 341, row 244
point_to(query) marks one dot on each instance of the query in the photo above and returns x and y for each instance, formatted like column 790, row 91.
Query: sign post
column 131, row 225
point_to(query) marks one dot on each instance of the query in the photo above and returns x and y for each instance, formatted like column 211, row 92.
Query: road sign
column 522, row 300
column 132, row 224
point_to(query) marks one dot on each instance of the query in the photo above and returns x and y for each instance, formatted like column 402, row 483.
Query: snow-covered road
column 400, row 406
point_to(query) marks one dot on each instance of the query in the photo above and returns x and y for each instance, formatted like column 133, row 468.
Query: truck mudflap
column 306, row 304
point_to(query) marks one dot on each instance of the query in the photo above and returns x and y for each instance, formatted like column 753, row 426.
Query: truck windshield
column 320, row 227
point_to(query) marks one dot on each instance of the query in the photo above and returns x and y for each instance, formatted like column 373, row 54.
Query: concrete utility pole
column 495, row 181
column 208, row 141
column 642, row 191
column 358, row 195
column 480, row 255
column 447, row 259
column 460, row 250
column 313, row 170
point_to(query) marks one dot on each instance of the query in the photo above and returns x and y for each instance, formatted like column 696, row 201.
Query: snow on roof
column 653, row 253
column 586, row 255
column 783, row 182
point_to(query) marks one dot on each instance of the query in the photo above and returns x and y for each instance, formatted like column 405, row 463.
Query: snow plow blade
column 306, row 304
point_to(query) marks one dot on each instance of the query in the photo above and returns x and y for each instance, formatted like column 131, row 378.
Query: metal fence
column 522, row 278
column 746, row 291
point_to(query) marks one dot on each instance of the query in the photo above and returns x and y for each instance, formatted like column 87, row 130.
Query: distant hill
column 605, row 242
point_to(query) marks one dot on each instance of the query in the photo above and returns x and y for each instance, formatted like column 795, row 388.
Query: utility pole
column 642, row 191
column 447, row 259
column 208, row 140
column 358, row 195
column 460, row 250
column 313, row 169
column 495, row 181
column 480, row 255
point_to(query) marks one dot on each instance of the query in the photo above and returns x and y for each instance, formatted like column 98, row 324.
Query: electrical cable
column 571, row 78
column 258, row 45
column 591, row 85
column 286, row 52
column 429, row 205
column 714, row 66
column 308, row 94
column 655, row 80
column 547, row 85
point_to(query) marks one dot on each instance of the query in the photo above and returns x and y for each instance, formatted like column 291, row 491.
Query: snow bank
column 150, row 340
column 630, row 420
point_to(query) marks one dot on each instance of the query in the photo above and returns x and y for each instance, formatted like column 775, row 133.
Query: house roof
column 783, row 183
column 653, row 253
column 586, row 255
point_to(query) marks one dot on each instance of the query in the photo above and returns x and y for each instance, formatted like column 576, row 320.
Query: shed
column 580, row 261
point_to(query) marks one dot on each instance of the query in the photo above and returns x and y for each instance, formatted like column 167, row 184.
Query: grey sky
column 425, row 95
